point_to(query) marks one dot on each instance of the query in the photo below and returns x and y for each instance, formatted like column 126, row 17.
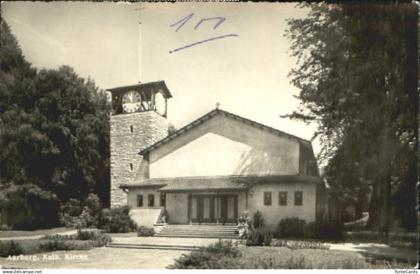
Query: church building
column 210, row 171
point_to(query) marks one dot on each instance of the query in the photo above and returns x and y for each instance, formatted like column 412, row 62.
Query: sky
column 243, row 67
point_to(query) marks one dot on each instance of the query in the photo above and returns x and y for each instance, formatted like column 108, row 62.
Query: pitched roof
column 213, row 113
column 219, row 183
column 140, row 86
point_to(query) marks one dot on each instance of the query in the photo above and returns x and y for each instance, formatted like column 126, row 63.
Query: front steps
column 154, row 246
column 199, row 231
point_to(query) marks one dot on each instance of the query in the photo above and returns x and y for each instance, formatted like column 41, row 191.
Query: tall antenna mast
column 140, row 42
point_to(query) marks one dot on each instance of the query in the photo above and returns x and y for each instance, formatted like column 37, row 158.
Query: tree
column 356, row 73
column 54, row 137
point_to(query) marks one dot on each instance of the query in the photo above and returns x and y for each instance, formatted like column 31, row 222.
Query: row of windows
column 283, row 198
column 267, row 199
column 150, row 200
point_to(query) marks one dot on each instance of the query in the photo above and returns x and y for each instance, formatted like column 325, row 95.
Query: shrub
column 145, row 231
column 297, row 228
column 259, row 237
column 85, row 235
column 10, row 248
column 53, row 245
column 257, row 234
column 267, row 237
column 290, row 228
column 215, row 256
column 93, row 203
column 96, row 238
column 78, row 215
column 244, row 225
column 224, row 248
column 329, row 230
column 116, row 220
column 72, row 207
column 258, row 220
column 58, row 237
column 311, row 230
column 28, row 207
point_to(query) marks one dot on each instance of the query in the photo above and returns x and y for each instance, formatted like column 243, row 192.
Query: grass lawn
column 32, row 246
column 282, row 257
column 228, row 255
column 22, row 233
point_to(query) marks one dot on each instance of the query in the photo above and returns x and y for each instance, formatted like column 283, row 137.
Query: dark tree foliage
column 54, row 138
column 356, row 73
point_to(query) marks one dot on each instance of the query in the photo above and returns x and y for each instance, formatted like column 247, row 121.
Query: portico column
column 164, row 198
column 189, row 208
column 217, row 208
column 246, row 200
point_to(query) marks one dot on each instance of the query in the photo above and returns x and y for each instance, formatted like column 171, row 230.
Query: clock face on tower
column 131, row 101
column 160, row 103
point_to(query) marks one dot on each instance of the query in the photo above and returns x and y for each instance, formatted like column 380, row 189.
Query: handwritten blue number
column 221, row 20
column 184, row 20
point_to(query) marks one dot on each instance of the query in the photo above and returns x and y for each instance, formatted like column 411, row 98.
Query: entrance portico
column 213, row 208
column 210, row 201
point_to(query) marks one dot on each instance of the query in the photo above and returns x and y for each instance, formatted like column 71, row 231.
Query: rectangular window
column 267, row 198
column 162, row 199
column 151, row 199
column 282, row 198
column 139, row 200
column 298, row 198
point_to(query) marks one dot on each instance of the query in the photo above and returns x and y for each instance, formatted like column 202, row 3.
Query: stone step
column 197, row 236
column 153, row 246
column 194, row 233
column 187, row 225
column 198, row 230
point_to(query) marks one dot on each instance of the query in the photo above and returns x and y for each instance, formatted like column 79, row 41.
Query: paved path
column 164, row 241
column 106, row 258
column 100, row 258
column 375, row 250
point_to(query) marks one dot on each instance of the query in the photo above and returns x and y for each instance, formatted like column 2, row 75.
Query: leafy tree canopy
column 356, row 72
column 54, row 131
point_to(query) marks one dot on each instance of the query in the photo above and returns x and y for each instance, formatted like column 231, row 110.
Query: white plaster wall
column 223, row 146
column 132, row 197
column 274, row 213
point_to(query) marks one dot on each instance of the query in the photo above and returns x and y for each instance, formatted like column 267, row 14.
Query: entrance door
column 228, row 209
column 212, row 208
column 201, row 209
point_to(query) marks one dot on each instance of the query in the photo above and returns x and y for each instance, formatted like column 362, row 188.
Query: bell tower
column 138, row 120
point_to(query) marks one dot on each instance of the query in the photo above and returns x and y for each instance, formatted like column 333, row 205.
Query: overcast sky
column 245, row 69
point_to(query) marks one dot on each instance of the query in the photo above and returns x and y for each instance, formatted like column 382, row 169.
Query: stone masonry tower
column 138, row 120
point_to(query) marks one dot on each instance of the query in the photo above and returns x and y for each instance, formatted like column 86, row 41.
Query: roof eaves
column 226, row 113
column 142, row 185
column 198, row 189
column 154, row 83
